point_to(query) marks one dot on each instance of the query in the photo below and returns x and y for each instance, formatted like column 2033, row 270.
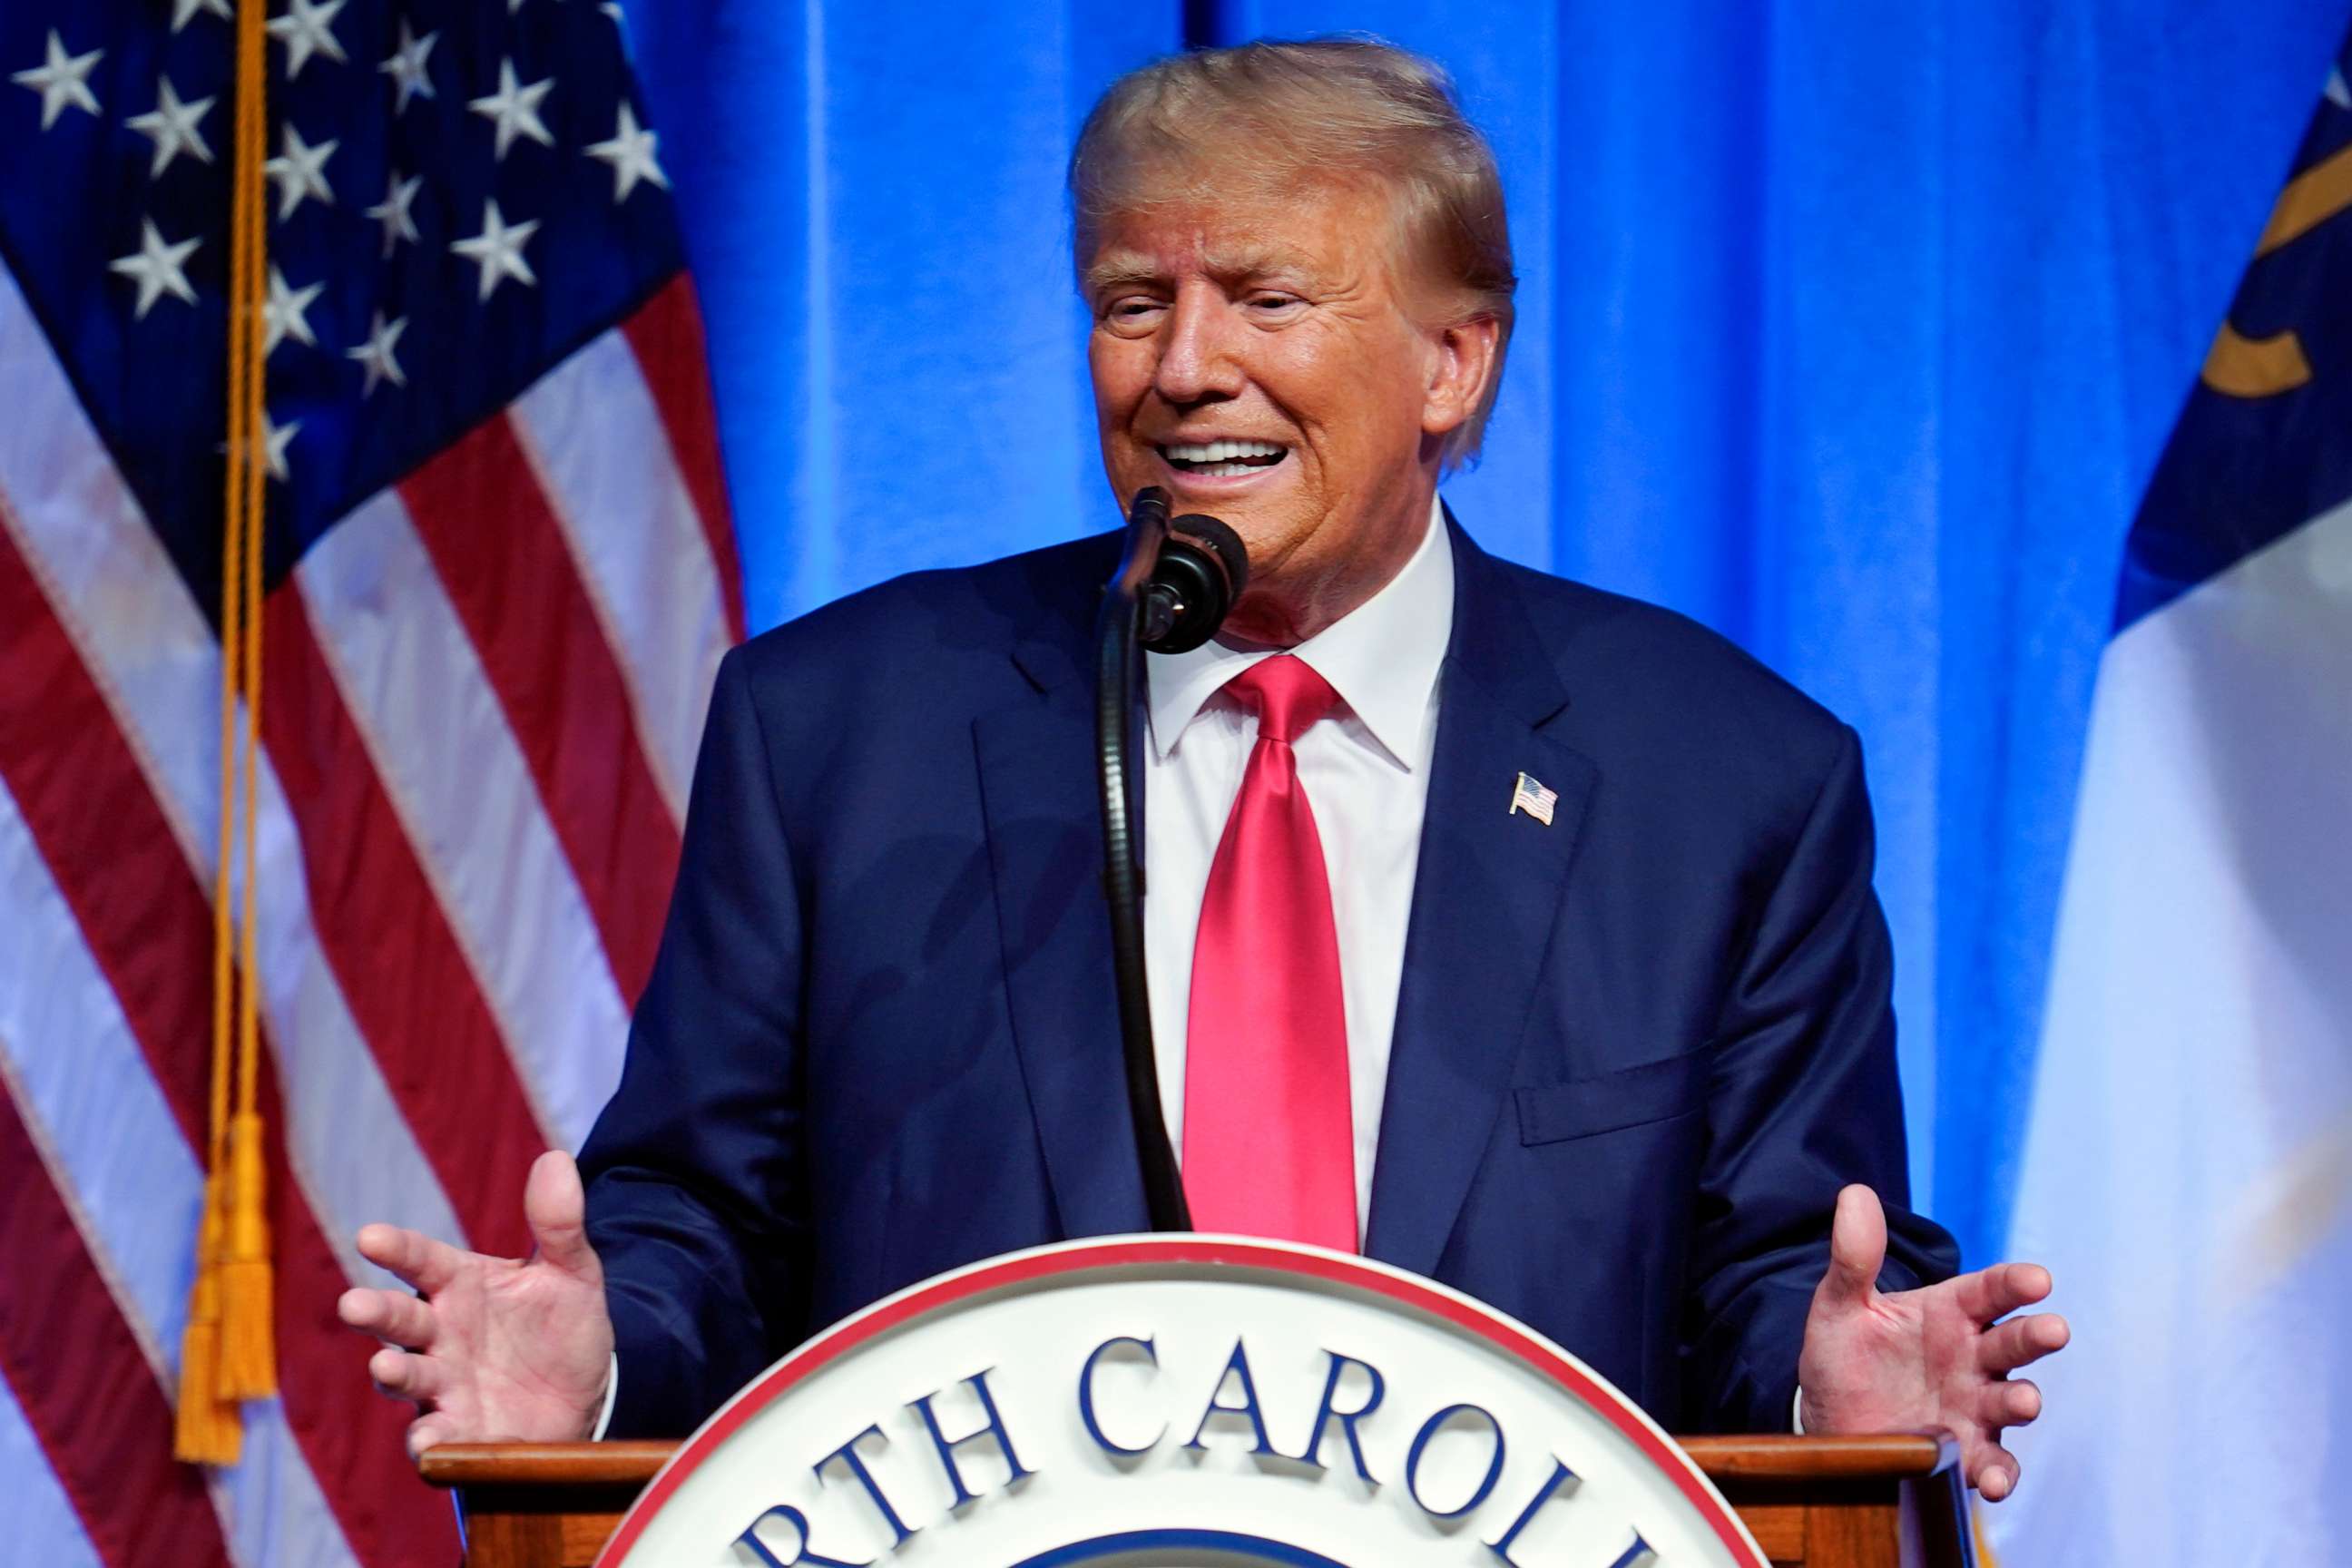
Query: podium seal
column 1180, row 1401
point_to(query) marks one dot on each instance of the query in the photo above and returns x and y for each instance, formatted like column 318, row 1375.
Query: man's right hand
column 493, row 1349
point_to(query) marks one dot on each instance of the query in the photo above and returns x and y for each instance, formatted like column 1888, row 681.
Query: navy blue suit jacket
column 1636, row 1052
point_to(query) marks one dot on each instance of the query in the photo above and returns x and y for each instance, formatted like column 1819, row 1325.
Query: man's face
column 1257, row 359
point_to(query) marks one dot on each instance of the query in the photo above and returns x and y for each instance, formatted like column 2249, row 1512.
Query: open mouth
column 1222, row 459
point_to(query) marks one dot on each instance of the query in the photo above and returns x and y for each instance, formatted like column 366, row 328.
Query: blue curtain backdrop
column 1851, row 329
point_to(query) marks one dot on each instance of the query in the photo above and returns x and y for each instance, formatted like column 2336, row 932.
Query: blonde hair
column 1307, row 112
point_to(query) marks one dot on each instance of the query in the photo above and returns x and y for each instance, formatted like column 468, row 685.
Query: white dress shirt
column 1365, row 769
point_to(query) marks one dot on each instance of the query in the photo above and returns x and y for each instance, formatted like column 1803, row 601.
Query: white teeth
column 1220, row 451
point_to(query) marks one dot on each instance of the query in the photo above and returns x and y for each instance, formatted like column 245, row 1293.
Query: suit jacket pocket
column 1605, row 1102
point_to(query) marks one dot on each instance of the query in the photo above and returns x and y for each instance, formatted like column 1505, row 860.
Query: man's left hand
column 1938, row 1356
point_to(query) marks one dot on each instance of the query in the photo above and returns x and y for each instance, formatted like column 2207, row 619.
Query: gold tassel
column 248, row 1352
column 229, row 1351
column 205, row 1430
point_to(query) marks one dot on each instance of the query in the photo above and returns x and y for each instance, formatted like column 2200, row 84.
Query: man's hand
column 491, row 1348
column 1931, row 1357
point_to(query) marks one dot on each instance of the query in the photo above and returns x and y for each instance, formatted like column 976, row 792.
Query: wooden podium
column 1821, row 1502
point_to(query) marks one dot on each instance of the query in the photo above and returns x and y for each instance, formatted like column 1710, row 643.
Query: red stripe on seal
column 149, row 926
column 502, row 555
column 666, row 334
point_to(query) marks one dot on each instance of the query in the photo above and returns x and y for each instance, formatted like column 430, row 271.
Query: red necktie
column 1268, row 1145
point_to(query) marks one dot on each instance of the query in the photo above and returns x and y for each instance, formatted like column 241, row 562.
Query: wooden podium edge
column 1757, row 1459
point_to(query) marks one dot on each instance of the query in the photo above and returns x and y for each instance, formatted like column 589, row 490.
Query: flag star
column 399, row 195
column 62, row 80
column 2338, row 93
column 157, row 268
column 375, row 354
column 631, row 154
column 498, row 250
column 308, row 28
column 284, row 314
column 275, row 439
column 515, row 109
column 300, row 171
column 173, row 126
column 183, row 11
column 406, row 65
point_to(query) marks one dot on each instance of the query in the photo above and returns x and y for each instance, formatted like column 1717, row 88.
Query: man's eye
column 1128, row 309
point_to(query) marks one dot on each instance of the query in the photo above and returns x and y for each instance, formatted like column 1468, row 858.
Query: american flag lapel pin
column 1529, row 796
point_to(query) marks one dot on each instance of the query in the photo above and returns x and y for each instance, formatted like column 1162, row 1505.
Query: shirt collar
column 1382, row 658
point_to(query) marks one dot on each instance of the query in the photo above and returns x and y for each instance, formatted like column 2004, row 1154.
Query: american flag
column 499, row 579
column 1529, row 796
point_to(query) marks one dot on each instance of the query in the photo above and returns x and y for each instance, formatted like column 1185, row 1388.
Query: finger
column 556, row 1212
column 2020, row 1342
column 427, row 1429
column 406, row 1376
column 1857, row 1247
column 2012, row 1403
column 427, row 1264
column 1998, row 1291
column 1997, row 1473
column 388, row 1315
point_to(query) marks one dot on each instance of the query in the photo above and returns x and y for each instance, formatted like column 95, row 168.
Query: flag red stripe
column 86, row 1387
column 383, row 928
column 502, row 556
column 666, row 334
column 149, row 926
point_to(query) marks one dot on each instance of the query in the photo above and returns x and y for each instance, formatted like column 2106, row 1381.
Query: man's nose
column 1198, row 355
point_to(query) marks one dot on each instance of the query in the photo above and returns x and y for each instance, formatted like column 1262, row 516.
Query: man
column 1519, row 934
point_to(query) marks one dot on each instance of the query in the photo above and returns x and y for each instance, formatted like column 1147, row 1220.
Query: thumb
column 1857, row 1247
column 556, row 1209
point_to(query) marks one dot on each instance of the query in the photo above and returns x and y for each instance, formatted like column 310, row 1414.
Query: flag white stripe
column 133, row 1183
column 95, row 1108
column 160, row 666
column 594, row 434
column 442, row 748
column 278, row 1517
column 42, row 1525
column 2184, row 1174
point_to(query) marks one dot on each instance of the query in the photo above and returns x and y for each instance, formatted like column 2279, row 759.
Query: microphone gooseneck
column 1175, row 583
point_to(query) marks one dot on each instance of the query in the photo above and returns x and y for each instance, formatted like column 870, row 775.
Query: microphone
column 1201, row 571
column 1176, row 581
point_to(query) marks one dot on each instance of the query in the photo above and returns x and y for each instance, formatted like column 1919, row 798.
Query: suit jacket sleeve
column 697, row 1194
column 1804, row 1100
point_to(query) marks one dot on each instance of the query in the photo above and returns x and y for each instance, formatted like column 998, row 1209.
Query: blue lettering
column 1327, row 1412
column 1429, row 1429
column 1237, row 1362
column 800, row 1552
column 948, row 1445
column 1561, row 1476
column 848, row 1454
column 1641, row 1551
column 1087, row 1397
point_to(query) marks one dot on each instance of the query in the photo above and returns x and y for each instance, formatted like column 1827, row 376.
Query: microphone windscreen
column 1220, row 541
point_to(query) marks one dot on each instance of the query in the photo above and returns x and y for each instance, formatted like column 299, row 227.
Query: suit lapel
column 1485, row 896
column 1044, row 836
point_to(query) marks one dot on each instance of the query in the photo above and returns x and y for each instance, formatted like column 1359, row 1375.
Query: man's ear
column 1461, row 369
